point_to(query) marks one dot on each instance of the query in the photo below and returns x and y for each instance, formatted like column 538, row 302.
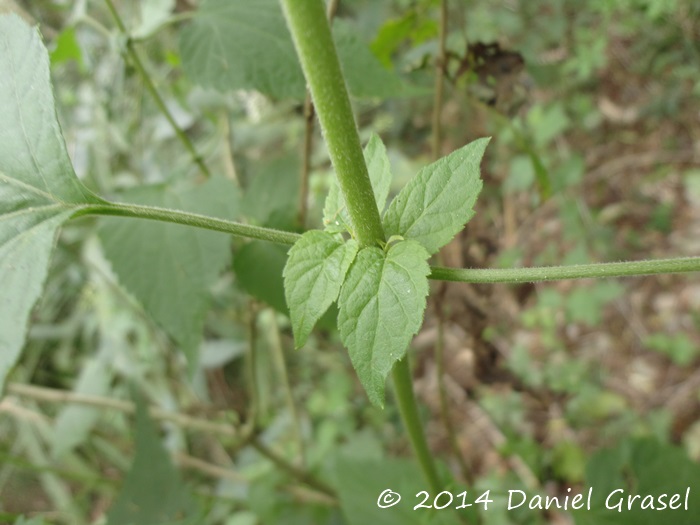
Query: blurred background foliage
column 595, row 112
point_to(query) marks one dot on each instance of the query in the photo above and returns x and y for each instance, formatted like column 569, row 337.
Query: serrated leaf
column 169, row 267
column 336, row 218
column 38, row 187
column 313, row 275
column 152, row 491
column 238, row 44
column 381, row 309
column 436, row 204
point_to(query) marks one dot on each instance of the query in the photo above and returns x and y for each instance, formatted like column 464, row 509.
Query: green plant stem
column 403, row 388
column 150, row 86
column 295, row 472
column 189, row 219
column 557, row 273
column 312, row 37
column 466, row 275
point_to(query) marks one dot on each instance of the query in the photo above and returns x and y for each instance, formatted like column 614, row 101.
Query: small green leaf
column 315, row 270
column 336, row 218
column 169, row 267
column 436, row 204
column 152, row 491
column 38, row 188
column 381, row 308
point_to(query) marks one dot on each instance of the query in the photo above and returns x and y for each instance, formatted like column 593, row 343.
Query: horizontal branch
column 467, row 275
column 52, row 395
column 577, row 271
column 189, row 219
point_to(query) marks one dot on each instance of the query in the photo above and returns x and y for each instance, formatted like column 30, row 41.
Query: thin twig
column 440, row 64
column 294, row 471
column 150, row 86
column 281, row 365
column 442, row 389
column 52, row 395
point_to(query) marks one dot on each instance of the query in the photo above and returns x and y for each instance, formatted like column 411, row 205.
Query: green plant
column 375, row 266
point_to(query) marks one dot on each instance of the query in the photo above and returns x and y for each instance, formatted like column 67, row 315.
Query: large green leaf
column 381, row 308
column 152, row 492
column 169, row 267
column 646, row 468
column 436, row 204
column 335, row 213
column 315, row 270
column 239, row 44
column 38, row 187
column 360, row 493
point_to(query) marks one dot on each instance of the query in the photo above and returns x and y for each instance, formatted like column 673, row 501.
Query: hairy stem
column 150, row 86
column 189, row 219
column 311, row 33
column 403, row 388
column 577, row 271
column 466, row 275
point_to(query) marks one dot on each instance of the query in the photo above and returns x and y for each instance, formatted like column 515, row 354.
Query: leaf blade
column 381, row 307
column 169, row 267
column 313, row 275
column 38, row 188
column 436, row 204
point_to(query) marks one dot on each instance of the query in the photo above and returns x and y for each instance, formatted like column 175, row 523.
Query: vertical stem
column 403, row 387
column 440, row 65
column 312, row 37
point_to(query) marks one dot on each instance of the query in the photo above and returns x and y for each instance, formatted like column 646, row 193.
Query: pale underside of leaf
column 38, row 188
column 381, row 309
column 436, row 204
column 169, row 267
column 314, row 273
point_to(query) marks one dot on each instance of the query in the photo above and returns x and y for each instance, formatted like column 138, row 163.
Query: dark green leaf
column 313, row 275
column 168, row 267
column 152, row 492
column 436, row 204
column 258, row 266
column 359, row 482
column 38, row 188
column 381, row 308
column 640, row 467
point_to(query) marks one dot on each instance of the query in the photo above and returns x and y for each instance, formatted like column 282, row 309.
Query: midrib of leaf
column 425, row 208
column 280, row 42
column 29, row 187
